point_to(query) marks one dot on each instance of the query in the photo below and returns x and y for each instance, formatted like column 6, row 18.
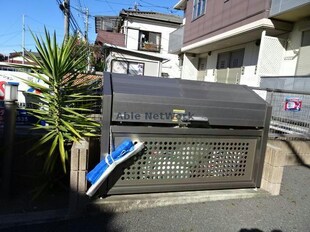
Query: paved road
column 288, row 212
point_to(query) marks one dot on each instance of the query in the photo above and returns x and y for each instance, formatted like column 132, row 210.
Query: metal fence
column 290, row 113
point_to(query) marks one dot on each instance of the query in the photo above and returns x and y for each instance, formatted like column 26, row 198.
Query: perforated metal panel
column 170, row 161
column 189, row 158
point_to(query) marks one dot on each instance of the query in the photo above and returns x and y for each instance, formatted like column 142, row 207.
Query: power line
column 80, row 10
column 12, row 25
column 110, row 6
column 7, row 34
column 16, row 45
column 157, row 6
column 170, row 9
column 72, row 21
column 10, row 38
column 150, row 9
column 42, row 32
column 114, row 3
column 80, row 5
column 109, row 3
column 39, row 22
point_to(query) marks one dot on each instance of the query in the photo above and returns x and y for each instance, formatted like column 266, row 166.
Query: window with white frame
column 199, row 8
column 128, row 67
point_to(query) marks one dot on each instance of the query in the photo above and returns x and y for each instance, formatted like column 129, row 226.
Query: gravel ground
column 288, row 212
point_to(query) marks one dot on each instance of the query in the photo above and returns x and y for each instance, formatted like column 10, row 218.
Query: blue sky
column 40, row 13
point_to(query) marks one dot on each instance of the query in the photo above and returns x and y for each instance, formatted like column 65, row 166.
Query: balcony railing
column 150, row 47
column 229, row 75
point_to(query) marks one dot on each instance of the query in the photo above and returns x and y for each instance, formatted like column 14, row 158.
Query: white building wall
column 189, row 69
column 172, row 66
column 249, row 75
column 133, row 33
column 17, row 59
column 292, row 49
column 291, row 54
column 132, row 39
column 152, row 68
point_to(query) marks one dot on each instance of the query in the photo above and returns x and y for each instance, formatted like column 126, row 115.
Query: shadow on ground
column 296, row 154
column 52, row 209
column 89, row 218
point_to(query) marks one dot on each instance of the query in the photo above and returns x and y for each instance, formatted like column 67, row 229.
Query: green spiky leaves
column 64, row 103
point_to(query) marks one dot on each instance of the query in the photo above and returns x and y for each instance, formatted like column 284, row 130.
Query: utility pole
column 66, row 5
column 86, row 24
column 86, row 38
column 23, row 40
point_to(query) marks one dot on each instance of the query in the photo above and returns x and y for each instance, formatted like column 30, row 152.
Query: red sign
column 2, row 83
column 292, row 104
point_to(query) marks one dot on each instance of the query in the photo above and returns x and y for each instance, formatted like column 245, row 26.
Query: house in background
column 17, row 57
column 137, row 42
column 123, row 60
column 239, row 41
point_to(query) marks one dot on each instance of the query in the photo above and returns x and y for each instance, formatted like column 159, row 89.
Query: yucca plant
column 64, row 103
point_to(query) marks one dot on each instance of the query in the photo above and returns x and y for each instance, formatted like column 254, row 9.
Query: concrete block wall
column 280, row 153
column 273, row 170
column 78, row 171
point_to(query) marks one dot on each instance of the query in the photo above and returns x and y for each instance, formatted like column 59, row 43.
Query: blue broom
column 102, row 170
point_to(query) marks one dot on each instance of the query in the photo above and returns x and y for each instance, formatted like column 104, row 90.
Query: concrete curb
column 123, row 203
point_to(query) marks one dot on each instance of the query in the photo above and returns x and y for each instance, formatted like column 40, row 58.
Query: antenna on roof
column 136, row 6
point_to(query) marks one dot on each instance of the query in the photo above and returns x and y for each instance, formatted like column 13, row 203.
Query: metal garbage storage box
column 197, row 135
